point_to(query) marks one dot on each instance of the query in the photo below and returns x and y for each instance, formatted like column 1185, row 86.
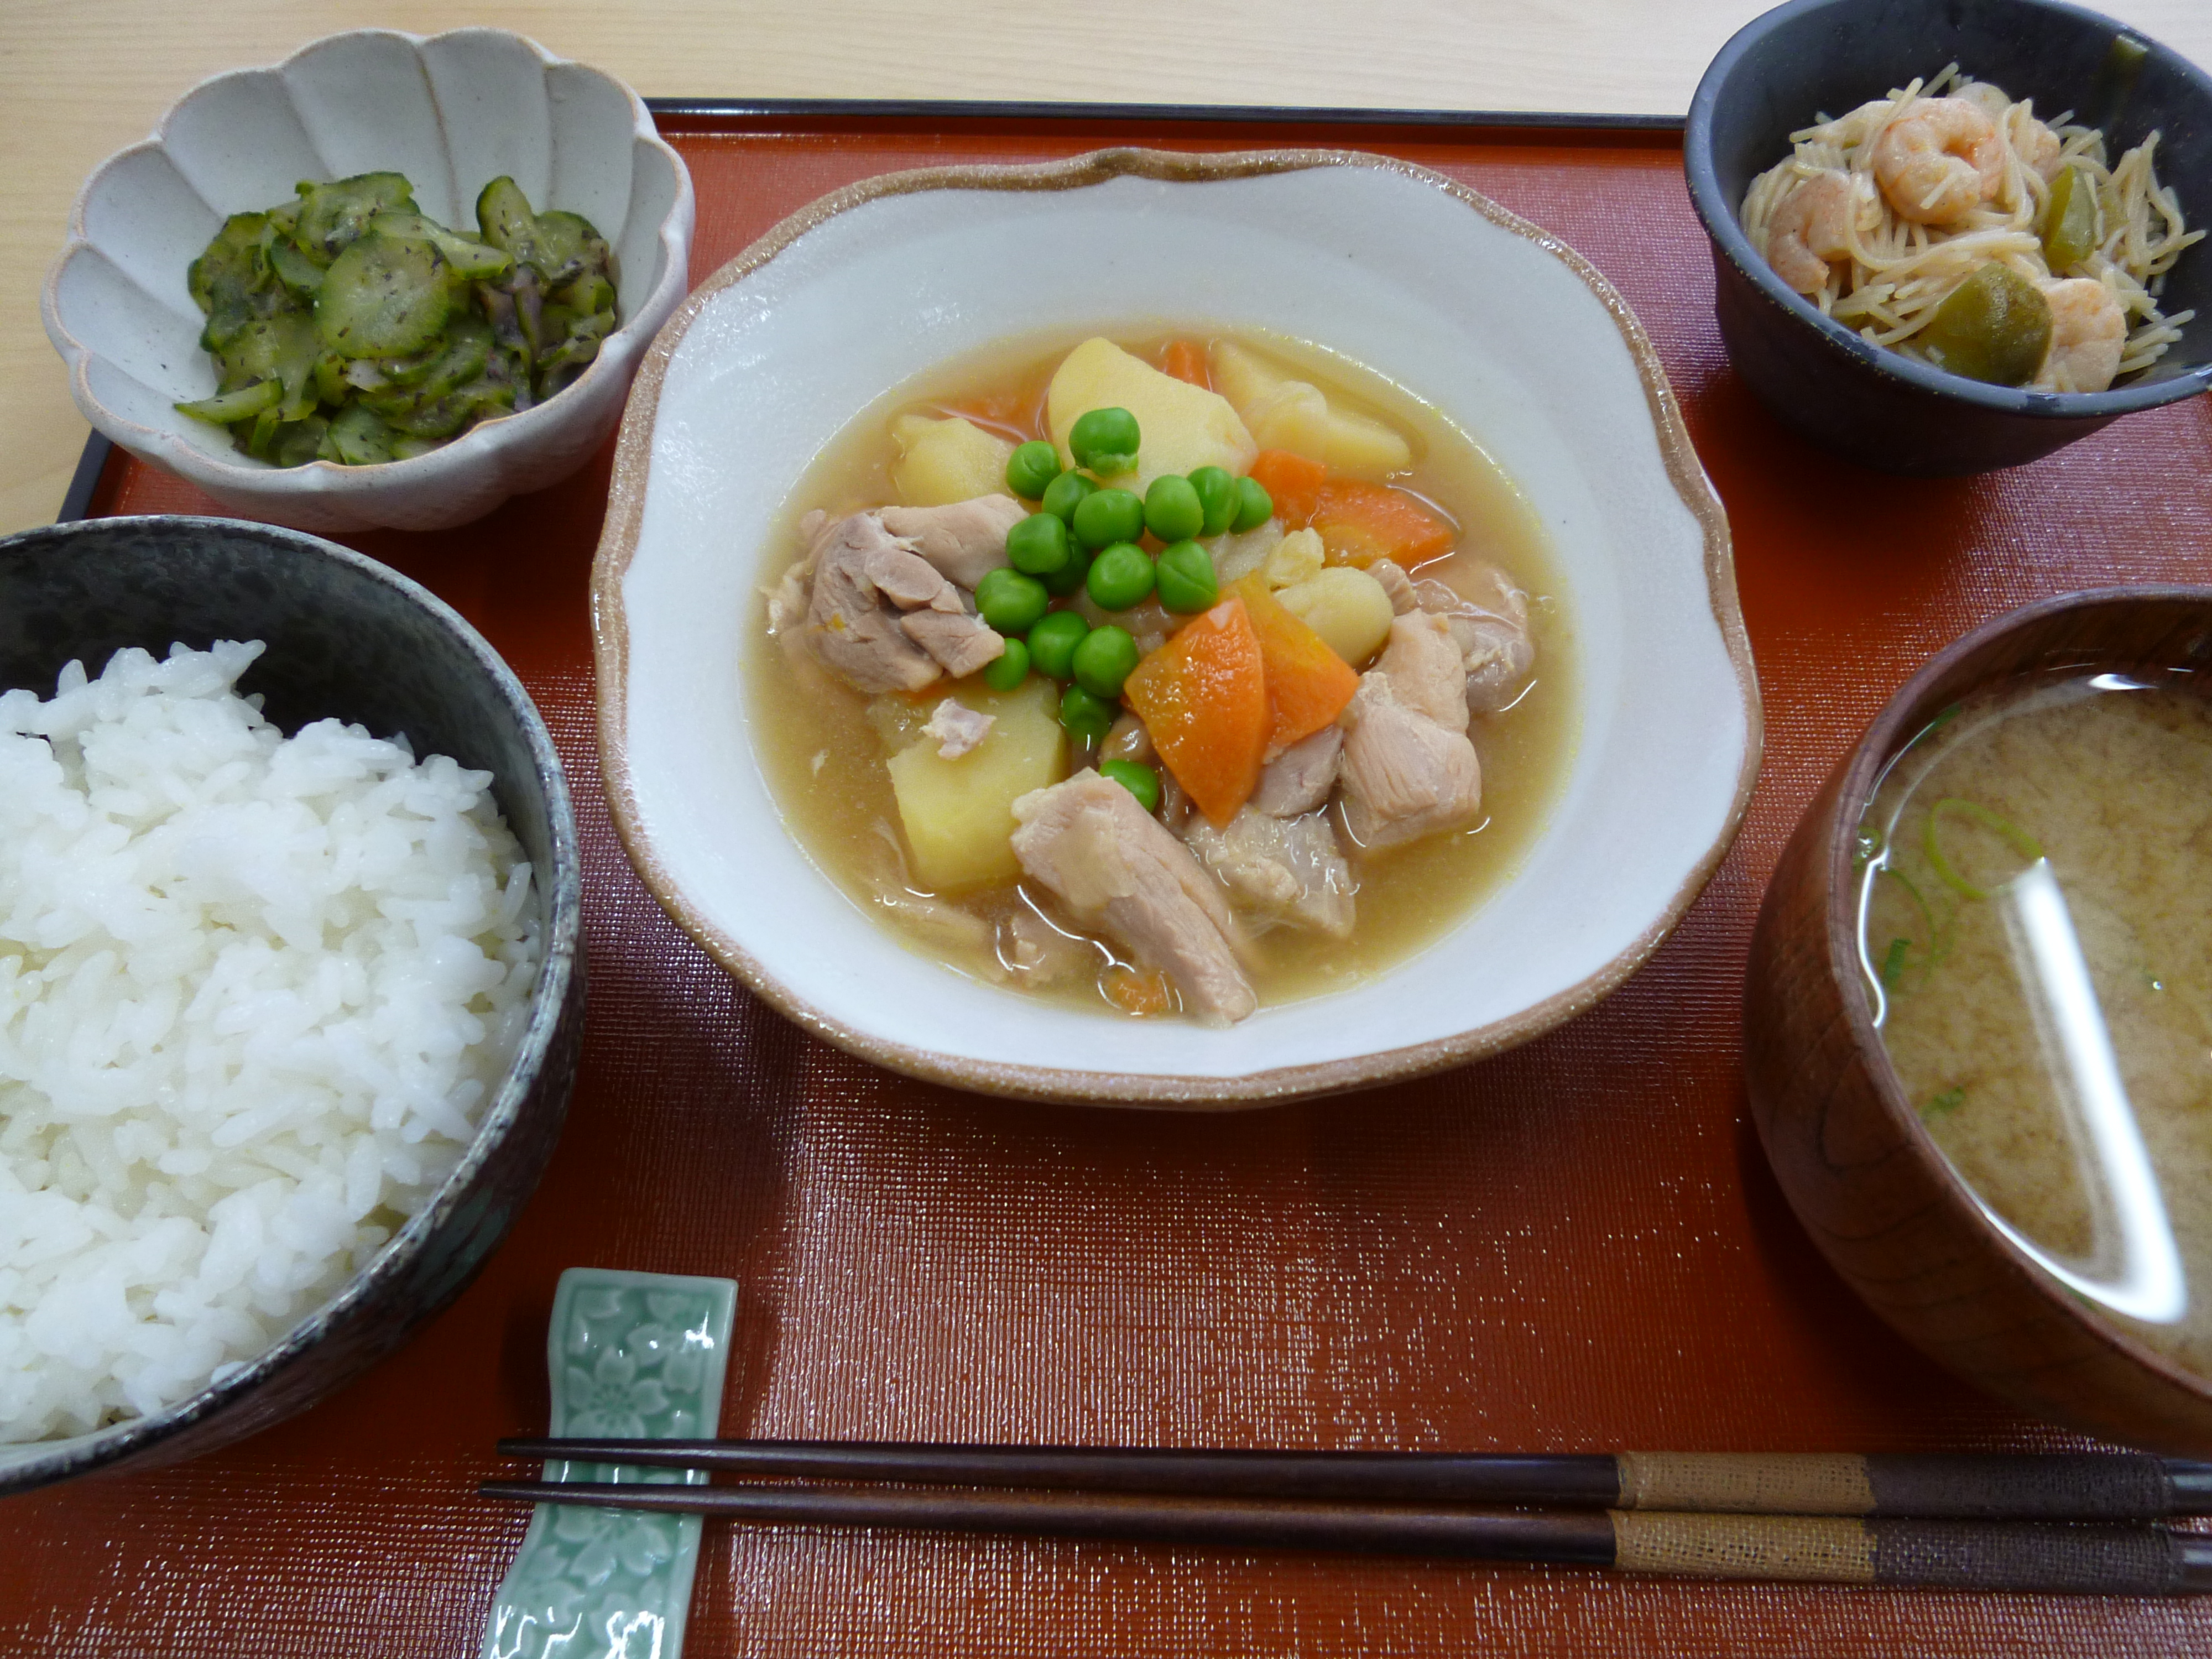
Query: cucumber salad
column 349, row 327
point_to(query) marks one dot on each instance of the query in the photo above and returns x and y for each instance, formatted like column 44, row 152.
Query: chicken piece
column 956, row 727
column 1492, row 631
column 966, row 541
column 1427, row 672
column 1397, row 584
column 1405, row 776
column 1299, row 779
column 910, row 581
column 1287, row 868
column 962, row 643
column 1116, row 869
column 852, row 627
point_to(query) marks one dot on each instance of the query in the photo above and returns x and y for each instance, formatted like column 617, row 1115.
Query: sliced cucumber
column 333, row 216
column 568, row 247
column 301, row 275
column 243, row 404
column 341, row 323
column 471, row 260
column 503, row 215
column 384, row 296
column 298, row 442
column 232, row 269
column 281, row 347
column 357, row 437
column 588, row 292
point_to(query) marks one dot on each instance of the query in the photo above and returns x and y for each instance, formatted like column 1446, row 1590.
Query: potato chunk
column 1348, row 608
column 941, row 462
column 1285, row 412
column 1180, row 427
column 958, row 815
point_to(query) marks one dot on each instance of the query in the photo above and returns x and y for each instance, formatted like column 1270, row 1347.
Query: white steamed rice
column 254, row 991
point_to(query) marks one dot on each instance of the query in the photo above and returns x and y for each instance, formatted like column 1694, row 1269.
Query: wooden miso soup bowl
column 1862, row 1172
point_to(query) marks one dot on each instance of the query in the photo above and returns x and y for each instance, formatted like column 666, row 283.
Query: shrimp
column 1939, row 161
column 2038, row 148
column 2089, row 331
column 1810, row 227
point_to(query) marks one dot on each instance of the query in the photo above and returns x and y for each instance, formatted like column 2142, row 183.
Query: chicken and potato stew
column 1179, row 676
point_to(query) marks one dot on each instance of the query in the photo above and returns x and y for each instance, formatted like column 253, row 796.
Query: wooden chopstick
column 2069, row 1486
column 1985, row 1555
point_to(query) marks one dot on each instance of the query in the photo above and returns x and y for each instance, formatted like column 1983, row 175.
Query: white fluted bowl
column 452, row 112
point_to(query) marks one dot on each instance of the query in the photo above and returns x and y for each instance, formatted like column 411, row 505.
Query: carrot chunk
column 1139, row 993
column 1292, row 482
column 1204, row 698
column 1360, row 523
column 1186, row 361
column 1308, row 683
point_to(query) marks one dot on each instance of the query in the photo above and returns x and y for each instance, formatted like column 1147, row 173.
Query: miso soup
column 2036, row 904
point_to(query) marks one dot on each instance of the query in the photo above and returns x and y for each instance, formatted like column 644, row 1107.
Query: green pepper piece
column 1994, row 327
column 2069, row 221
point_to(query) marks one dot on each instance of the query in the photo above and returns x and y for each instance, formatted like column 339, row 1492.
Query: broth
column 2034, row 932
column 825, row 755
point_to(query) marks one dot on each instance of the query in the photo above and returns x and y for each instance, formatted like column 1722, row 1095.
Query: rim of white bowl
column 311, row 479
column 618, row 543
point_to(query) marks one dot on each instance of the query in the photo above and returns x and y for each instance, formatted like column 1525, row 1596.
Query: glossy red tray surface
column 1576, row 1247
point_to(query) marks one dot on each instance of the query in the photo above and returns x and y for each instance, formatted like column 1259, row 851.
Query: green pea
column 1065, row 580
column 1139, row 779
column 1186, row 579
column 1006, row 673
column 1089, row 716
column 1010, row 602
column 1031, row 467
column 1217, row 495
column 1110, row 516
column 1121, row 576
column 1107, row 657
column 1105, row 440
column 1172, row 509
column 1062, row 495
column 1053, row 644
column 1255, row 506
column 1037, row 546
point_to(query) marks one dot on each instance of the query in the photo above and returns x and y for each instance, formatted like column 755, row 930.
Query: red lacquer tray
column 1576, row 1247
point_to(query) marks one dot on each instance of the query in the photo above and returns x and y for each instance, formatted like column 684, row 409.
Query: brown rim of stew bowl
column 347, row 637
column 1860, row 1169
column 1594, row 439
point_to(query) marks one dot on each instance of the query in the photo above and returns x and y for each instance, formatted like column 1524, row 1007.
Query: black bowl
column 1878, row 408
column 350, row 638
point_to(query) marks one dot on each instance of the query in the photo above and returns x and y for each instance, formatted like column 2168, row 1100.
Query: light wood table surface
column 80, row 79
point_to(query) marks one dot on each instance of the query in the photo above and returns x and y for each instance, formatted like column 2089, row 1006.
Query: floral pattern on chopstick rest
column 634, row 1355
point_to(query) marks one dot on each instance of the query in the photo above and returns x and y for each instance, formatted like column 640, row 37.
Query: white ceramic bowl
column 1507, row 331
column 452, row 112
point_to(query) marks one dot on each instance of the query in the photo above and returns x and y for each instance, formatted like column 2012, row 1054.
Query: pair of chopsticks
column 2061, row 1522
